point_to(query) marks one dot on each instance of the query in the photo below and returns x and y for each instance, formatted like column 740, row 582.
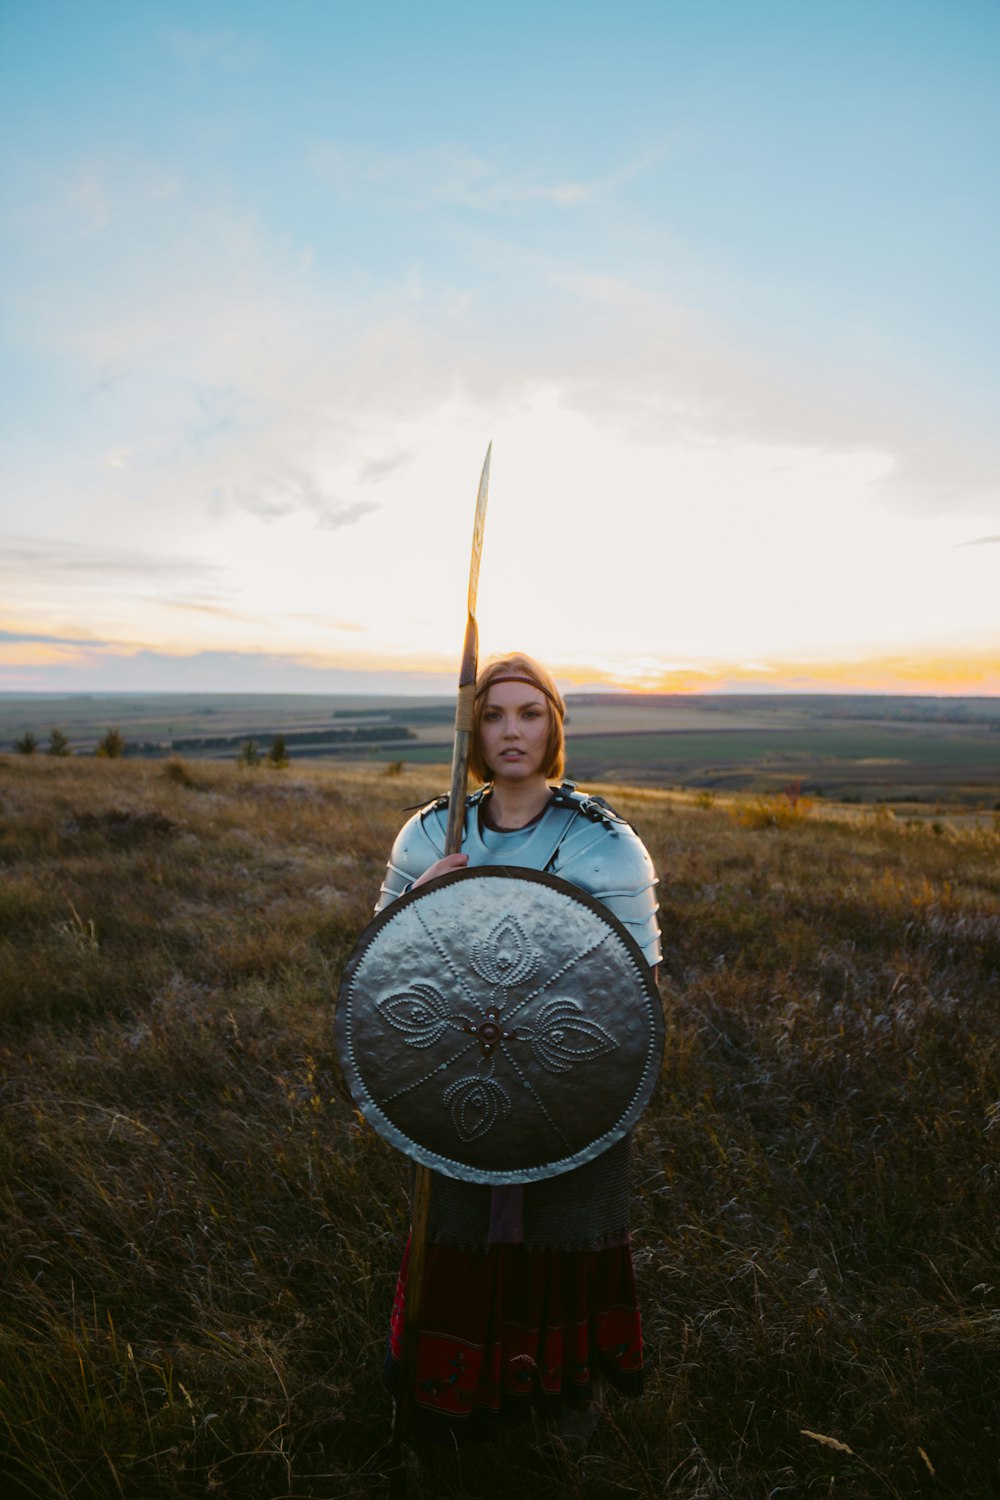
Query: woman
column 529, row 1292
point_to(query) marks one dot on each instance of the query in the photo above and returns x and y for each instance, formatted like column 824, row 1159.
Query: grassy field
column 160, row 716
column 868, row 762
column 839, row 746
column 201, row 1237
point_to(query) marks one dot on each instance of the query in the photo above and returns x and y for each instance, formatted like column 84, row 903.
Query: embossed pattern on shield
column 499, row 1025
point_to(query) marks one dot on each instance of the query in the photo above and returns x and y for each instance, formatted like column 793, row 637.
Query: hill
column 201, row 1235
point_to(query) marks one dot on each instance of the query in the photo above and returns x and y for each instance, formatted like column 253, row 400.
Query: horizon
column 569, row 694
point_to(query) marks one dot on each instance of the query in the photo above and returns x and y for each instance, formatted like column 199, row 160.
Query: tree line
column 113, row 743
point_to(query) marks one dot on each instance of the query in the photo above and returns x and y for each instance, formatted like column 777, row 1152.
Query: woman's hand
column 442, row 867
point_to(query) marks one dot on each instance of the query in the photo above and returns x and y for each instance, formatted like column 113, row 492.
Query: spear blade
column 465, row 707
column 477, row 531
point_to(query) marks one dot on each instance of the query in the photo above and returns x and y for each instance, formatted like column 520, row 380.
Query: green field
column 836, row 759
column 867, row 748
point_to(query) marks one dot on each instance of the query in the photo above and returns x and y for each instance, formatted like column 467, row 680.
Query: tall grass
column 201, row 1236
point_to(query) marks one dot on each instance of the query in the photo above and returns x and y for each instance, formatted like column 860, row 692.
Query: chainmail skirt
column 509, row 1329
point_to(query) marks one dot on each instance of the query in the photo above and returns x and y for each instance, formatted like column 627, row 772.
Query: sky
column 718, row 280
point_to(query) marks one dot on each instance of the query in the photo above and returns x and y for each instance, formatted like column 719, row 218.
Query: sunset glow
column 273, row 279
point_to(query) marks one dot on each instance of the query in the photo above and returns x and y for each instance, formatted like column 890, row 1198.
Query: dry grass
column 201, row 1238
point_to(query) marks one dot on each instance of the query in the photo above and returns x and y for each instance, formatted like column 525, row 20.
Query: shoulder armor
column 419, row 844
column 603, row 854
column 439, row 804
column 594, row 808
column 611, row 855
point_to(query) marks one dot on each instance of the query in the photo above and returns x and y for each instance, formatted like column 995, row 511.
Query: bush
column 27, row 744
column 249, row 754
column 782, row 811
column 111, row 745
column 176, row 771
column 58, row 743
column 277, row 756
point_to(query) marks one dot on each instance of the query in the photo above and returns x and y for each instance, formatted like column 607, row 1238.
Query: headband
column 531, row 683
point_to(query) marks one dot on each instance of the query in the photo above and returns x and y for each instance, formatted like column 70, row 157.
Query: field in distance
column 848, row 747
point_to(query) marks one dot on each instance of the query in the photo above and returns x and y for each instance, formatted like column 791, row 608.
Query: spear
column 406, row 1394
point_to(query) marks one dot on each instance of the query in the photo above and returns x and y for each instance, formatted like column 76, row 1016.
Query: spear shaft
column 406, row 1395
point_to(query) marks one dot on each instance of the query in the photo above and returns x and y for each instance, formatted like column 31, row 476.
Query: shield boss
column 499, row 1025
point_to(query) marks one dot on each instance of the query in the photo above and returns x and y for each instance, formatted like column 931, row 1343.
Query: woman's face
column 514, row 731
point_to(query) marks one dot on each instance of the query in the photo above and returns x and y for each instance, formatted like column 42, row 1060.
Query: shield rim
column 447, row 1166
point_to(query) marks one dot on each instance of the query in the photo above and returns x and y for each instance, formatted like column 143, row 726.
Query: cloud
column 76, row 563
column 150, row 671
column 326, row 622
column 333, row 518
column 63, row 207
column 116, row 593
column 374, row 469
column 254, row 389
column 36, row 638
column 272, row 496
column 453, row 175
column 217, row 672
column 615, row 292
column 69, row 560
column 196, row 607
column 981, row 541
column 216, row 340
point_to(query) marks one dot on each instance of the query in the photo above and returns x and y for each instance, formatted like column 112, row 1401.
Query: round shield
column 499, row 1025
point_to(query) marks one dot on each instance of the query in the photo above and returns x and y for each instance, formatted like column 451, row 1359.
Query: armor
column 579, row 838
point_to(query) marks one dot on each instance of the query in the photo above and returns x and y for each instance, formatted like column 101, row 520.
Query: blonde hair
column 523, row 668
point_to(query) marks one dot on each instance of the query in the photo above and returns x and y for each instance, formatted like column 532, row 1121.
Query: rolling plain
column 858, row 748
column 201, row 1235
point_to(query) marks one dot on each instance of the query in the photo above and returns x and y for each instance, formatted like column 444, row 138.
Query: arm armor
column 608, row 859
column 419, row 843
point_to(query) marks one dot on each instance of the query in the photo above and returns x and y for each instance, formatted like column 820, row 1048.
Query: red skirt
column 507, row 1329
